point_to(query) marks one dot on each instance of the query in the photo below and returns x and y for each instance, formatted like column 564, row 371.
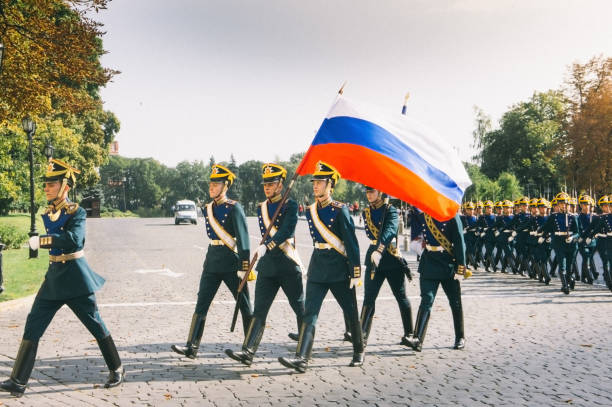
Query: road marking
column 162, row 272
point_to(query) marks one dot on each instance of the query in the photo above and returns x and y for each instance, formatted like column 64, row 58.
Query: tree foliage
column 51, row 62
column 588, row 137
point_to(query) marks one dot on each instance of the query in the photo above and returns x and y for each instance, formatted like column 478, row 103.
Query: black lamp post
column 29, row 126
column 1, row 55
column 123, row 181
column 49, row 150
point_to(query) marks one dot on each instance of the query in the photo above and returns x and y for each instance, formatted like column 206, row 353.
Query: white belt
column 507, row 231
column 609, row 233
column 323, row 246
column 561, row 233
column 216, row 243
column 533, row 233
column 434, row 248
column 600, row 235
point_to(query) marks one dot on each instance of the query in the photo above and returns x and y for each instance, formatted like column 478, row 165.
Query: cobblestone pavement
column 527, row 344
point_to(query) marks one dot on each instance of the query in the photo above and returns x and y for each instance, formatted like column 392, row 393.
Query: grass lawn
column 22, row 276
column 22, row 222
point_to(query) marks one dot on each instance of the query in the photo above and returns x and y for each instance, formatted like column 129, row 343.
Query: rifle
column 263, row 240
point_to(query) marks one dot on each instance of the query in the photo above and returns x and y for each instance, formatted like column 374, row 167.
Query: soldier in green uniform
column 441, row 263
column 227, row 258
column 279, row 265
column 69, row 280
column 383, row 261
column 334, row 266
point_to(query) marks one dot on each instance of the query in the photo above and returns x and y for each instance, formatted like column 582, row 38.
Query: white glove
column 548, row 240
column 496, row 233
column 588, row 240
column 416, row 246
column 241, row 274
column 353, row 283
column 482, row 234
column 540, row 240
column 569, row 239
column 375, row 258
column 261, row 250
column 34, row 242
column 511, row 238
column 513, row 233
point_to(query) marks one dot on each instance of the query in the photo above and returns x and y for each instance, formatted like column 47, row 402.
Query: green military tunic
column 225, row 257
column 68, row 280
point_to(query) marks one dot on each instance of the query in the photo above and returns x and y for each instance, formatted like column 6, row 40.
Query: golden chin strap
column 438, row 235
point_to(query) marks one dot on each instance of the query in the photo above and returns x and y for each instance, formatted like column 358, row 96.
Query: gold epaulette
column 230, row 202
column 72, row 208
column 337, row 204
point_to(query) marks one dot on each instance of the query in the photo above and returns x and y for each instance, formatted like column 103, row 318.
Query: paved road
column 526, row 344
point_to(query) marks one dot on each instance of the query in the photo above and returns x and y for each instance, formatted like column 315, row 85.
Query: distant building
column 114, row 148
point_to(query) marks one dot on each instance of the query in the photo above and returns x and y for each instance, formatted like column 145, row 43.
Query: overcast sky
column 256, row 78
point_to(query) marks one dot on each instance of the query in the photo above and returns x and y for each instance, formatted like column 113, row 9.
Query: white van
column 185, row 211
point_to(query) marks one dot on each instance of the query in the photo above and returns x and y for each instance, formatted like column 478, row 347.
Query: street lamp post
column 1, row 55
column 49, row 150
column 123, row 180
column 29, row 126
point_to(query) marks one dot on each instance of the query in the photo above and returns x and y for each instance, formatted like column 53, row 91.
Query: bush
column 115, row 213
column 12, row 237
column 151, row 212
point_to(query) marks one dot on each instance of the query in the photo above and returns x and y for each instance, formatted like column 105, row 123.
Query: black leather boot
column 196, row 330
column 553, row 267
column 458, row 325
column 593, row 268
column 111, row 357
column 22, row 369
column 358, row 344
column 407, row 322
column 607, row 276
column 544, row 267
column 303, row 352
column 296, row 335
column 347, row 330
column 367, row 314
column 420, row 329
column 250, row 344
column 564, row 287
column 570, row 280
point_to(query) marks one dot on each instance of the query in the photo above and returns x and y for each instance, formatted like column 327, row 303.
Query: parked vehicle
column 185, row 211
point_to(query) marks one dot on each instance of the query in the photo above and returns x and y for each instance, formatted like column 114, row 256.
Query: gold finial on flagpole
column 406, row 97
column 342, row 88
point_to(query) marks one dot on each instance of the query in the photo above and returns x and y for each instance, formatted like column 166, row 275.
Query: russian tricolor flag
column 392, row 153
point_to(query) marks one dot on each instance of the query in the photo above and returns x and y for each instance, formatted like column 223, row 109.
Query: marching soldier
column 504, row 237
column 479, row 239
column 69, row 280
column 470, row 230
column 602, row 231
column 541, row 247
column 587, row 250
column 564, row 229
column 487, row 227
column 383, row 261
column 334, row 266
column 227, row 258
column 522, row 220
column 441, row 263
column 279, row 264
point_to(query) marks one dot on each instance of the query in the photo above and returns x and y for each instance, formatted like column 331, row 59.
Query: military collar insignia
column 220, row 201
column 275, row 198
column 377, row 204
column 323, row 204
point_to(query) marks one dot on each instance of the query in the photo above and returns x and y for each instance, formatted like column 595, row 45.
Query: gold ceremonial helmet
column 219, row 173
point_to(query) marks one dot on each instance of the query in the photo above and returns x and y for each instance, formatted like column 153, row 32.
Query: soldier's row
column 334, row 266
column 536, row 240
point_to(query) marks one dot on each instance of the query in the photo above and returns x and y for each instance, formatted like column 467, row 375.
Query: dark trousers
column 429, row 289
column 397, row 282
column 315, row 294
column 43, row 311
column 209, row 285
column 267, row 288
